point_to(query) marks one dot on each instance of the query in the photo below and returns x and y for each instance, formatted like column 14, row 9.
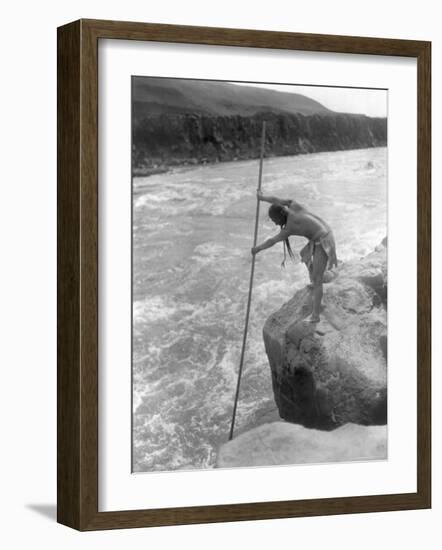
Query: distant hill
column 180, row 122
column 154, row 96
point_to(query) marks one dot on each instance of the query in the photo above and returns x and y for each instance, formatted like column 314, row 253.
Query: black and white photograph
column 218, row 264
column 259, row 274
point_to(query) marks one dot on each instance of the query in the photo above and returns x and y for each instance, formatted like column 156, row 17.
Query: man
column 320, row 252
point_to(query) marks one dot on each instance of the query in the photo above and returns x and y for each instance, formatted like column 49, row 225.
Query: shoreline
column 144, row 172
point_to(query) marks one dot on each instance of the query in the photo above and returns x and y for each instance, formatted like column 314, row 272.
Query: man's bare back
column 303, row 223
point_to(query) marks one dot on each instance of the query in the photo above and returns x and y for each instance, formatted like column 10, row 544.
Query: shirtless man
column 320, row 252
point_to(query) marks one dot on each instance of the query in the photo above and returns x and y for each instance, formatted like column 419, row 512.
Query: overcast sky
column 349, row 100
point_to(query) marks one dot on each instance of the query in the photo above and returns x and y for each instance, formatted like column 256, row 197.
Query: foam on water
column 152, row 309
column 200, row 196
column 193, row 232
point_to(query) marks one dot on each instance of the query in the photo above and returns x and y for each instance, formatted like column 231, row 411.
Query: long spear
column 252, row 272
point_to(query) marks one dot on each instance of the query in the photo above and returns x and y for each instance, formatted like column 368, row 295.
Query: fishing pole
column 252, row 272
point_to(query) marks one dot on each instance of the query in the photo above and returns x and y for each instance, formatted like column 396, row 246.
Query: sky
column 365, row 101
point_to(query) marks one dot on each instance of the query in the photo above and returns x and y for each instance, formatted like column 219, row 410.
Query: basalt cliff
column 179, row 122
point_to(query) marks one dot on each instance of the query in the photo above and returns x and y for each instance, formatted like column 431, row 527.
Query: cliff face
column 328, row 374
column 166, row 140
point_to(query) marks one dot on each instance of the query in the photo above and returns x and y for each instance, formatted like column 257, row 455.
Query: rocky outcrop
column 281, row 443
column 335, row 372
column 174, row 139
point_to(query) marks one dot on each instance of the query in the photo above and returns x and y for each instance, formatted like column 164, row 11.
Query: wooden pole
column 252, row 272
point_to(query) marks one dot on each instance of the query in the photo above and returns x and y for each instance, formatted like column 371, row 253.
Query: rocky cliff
column 328, row 374
column 163, row 140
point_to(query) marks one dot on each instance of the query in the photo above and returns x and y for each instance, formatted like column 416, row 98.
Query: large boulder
column 280, row 443
column 328, row 374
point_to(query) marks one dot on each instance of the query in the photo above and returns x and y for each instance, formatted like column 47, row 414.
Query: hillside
column 180, row 122
column 155, row 96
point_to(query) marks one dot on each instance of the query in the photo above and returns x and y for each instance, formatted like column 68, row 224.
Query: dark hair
column 279, row 216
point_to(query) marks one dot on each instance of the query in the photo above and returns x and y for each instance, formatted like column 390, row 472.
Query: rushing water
column 192, row 234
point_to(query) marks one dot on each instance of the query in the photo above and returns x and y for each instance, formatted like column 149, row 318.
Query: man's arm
column 273, row 200
column 281, row 236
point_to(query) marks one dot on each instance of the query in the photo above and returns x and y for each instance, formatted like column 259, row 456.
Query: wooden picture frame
column 77, row 459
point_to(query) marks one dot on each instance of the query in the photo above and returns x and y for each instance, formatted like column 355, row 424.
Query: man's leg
column 309, row 267
column 319, row 265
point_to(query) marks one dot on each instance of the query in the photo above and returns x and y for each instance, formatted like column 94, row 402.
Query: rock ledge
column 281, row 443
column 335, row 372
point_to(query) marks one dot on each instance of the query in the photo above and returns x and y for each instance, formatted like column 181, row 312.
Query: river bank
column 163, row 141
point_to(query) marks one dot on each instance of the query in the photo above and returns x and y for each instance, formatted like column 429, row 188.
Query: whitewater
column 192, row 235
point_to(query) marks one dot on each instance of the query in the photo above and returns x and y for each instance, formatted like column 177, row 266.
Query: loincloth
column 327, row 242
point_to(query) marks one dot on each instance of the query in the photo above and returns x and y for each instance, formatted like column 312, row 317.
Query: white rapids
column 192, row 234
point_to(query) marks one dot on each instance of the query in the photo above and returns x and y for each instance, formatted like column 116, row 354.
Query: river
column 192, row 234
